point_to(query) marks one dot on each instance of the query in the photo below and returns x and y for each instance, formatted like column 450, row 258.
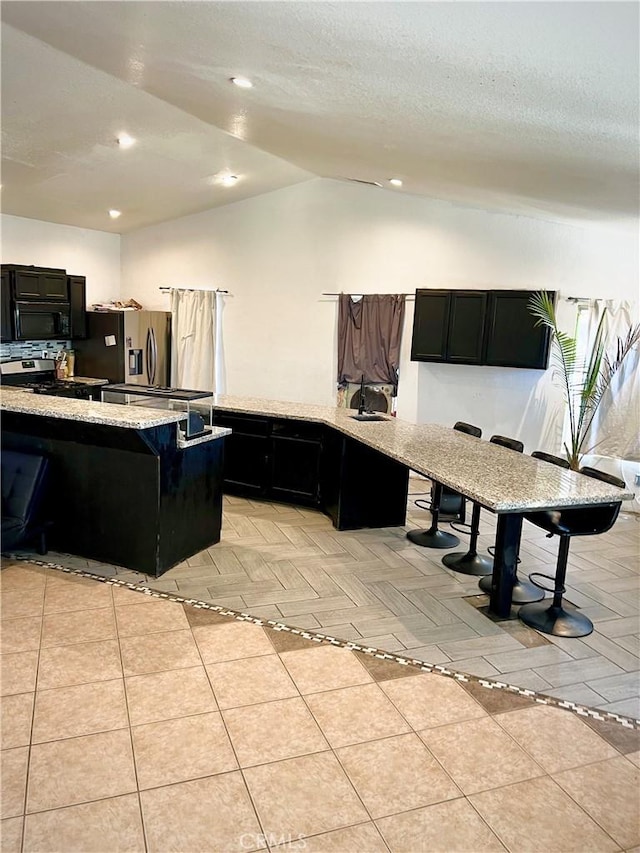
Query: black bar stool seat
column 588, row 521
column 434, row 537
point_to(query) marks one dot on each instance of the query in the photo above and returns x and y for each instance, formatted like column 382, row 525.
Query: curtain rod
column 194, row 289
column 409, row 295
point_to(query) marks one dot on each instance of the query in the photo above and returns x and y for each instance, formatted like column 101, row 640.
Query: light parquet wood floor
column 280, row 562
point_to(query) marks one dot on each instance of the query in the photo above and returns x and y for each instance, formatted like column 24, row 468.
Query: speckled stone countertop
column 110, row 414
column 499, row 479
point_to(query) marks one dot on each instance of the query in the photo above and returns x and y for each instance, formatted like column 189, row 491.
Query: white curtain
column 615, row 431
column 194, row 340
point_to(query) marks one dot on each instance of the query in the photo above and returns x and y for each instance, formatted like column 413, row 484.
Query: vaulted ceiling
column 529, row 107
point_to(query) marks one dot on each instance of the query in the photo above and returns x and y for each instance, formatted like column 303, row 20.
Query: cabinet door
column 54, row 286
column 466, row 326
column 78, row 300
column 40, row 284
column 512, row 337
column 430, row 325
column 6, row 320
column 296, row 451
column 26, row 284
column 245, row 454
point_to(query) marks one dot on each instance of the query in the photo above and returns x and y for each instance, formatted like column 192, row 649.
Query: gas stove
column 39, row 376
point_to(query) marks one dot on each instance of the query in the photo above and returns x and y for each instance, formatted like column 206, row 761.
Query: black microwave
column 41, row 321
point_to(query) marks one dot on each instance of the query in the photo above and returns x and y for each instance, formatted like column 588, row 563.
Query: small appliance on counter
column 196, row 423
column 39, row 375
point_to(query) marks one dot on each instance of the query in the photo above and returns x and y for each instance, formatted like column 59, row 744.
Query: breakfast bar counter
column 363, row 464
column 126, row 487
column 496, row 478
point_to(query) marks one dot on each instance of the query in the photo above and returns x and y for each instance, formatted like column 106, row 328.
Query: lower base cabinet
column 246, row 454
column 310, row 464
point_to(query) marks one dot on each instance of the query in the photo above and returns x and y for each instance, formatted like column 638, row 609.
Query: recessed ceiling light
column 395, row 182
column 126, row 141
column 242, row 82
column 228, row 180
column 114, row 214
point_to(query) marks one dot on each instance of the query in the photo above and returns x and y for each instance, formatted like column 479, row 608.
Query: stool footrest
column 534, row 575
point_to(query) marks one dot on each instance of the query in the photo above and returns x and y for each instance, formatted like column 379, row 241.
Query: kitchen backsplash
column 31, row 349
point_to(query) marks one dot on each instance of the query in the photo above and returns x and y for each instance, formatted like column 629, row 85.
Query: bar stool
column 523, row 592
column 588, row 521
column 433, row 537
column 470, row 562
column 549, row 457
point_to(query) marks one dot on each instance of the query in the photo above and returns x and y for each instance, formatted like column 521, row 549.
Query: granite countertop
column 88, row 411
column 109, row 414
column 497, row 478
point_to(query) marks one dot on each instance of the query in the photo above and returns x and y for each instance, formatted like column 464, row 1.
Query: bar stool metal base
column 433, row 538
column 468, row 564
column 523, row 591
column 550, row 619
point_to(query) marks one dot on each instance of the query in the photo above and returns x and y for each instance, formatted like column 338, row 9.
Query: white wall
column 276, row 254
column 80, row 251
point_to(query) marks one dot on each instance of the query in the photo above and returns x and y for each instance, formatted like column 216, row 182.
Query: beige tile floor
column 133, row 723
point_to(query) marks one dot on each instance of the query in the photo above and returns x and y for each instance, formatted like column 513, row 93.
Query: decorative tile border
column 540, row 698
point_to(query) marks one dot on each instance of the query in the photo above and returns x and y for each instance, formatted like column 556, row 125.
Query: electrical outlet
column 637, row 479
column 44, row 353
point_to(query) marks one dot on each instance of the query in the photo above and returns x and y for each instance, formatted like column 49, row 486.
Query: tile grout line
column 130, row 727
column 540, row 698
column 33, row 715
column 227, row 733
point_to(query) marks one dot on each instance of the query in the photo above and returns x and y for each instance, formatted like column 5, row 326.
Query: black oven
column 41, row 321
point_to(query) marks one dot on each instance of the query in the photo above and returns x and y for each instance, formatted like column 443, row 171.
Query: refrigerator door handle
column 154, row 356
column 147, row 360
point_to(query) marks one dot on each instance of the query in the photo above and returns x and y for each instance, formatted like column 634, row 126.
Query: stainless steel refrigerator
column 126, row 346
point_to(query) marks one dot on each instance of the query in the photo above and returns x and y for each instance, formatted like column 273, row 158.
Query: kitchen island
column 359, row 471
column 125, row 487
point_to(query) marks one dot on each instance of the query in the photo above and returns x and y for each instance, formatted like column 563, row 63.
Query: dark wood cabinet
column 272, row 458
column 77, row 285
column 310, row 464
column 448, row 326
column 466, row 326
column 39, row 283
column 430, row 325
column 6, row 319
column 512, row 338
column 295, row 458
column 246, row 454
column 492, row 327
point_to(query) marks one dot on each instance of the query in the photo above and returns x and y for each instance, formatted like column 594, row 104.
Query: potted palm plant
column 584, row 380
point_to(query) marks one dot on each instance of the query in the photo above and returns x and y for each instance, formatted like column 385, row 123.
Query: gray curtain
column 369, row 334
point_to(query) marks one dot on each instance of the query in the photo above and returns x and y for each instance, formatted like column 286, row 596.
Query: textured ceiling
column 527, row 107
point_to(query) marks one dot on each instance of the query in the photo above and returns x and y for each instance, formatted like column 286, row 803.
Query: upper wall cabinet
column 430, row 326
column 449, row 326
column 6, row 323
column 512, row 338
column 492, row 327
column 39, row 283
